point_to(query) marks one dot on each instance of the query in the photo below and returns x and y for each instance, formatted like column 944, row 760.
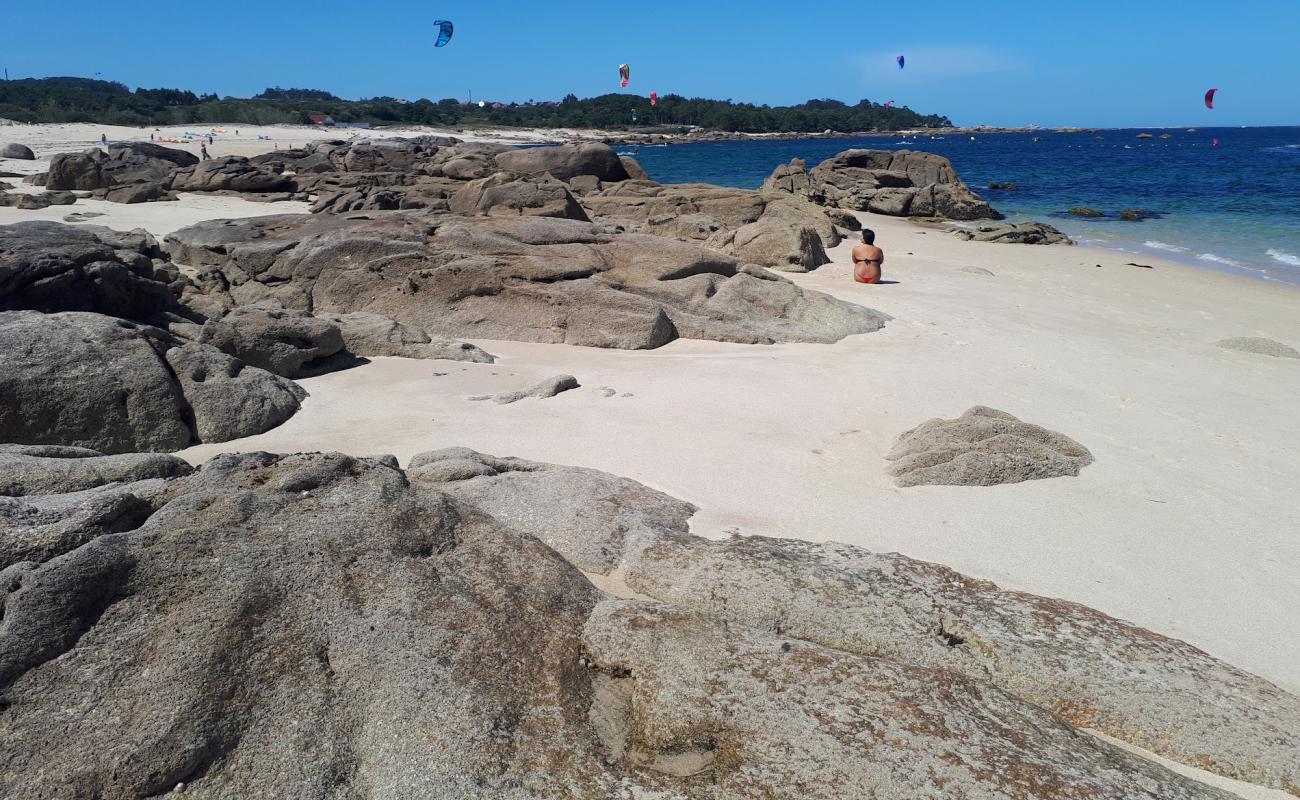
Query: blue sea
column 1232, row 207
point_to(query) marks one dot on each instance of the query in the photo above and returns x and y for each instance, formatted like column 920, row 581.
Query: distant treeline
column 113, row 103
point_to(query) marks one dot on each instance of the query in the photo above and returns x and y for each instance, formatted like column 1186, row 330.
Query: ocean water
column 1234, row 207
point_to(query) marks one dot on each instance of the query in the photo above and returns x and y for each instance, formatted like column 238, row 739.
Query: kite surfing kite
column 889, row 104
column 654, row 98
column 900, row 61
column 624, row 74
column 444, row 32
column 1209, row 98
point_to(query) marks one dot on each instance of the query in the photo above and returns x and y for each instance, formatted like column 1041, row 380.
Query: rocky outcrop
column 1013, row 233
column 87, row 380
column 32, row 202
column 48, row 266
column 633, row 169
column 365, row 335
column 565, row 161
column 284, row 342
column 523, row 278
column 321, row 625
column 538, row 391
column 1260, row 345
column 983, row 447
column 509, row 194
column 20, row 152
column 1085, row 211
column 51, row 469
column 229, row 174
column 770, row 229
column 900, row 183
column 120, row 164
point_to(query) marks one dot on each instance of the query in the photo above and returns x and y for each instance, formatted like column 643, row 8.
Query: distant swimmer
column 867, row 259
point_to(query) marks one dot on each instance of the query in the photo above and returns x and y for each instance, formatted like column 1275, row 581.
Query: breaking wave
column 1284, row 257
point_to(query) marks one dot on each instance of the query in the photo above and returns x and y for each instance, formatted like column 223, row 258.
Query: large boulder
column 123, row 163
column 1013, row 233
column 230, row 174
column 285, row 342
column 366, row 334
column 20, row 152
column 320, row 625
column 897, row 183
column 508, row 194
column 524, row 278
column 49, row 266
column 565, row 161
column 983, row 447
column 52, row 469
column 87, row 380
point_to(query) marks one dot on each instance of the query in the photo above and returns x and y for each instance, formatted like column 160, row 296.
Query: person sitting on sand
column 867, row 259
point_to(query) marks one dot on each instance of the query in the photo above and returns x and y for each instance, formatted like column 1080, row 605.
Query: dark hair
column 868, row 236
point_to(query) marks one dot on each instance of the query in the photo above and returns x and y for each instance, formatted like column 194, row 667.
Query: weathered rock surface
column 86, row 380
column 983, row 447
column 50, row 469
column 633, row 169
column 1084, row 211
column 282, row 341
column 509, row 194
column 565, row 161
column 13, row 150
column 320, row 625
column 365, row 334
column 48, row 266
column 1260, row 345
column 540, row 390
column 766, row 228
column 522, row 278
column 898, row 183
column 1014, row 233
column 229, row 173
column 33, row 202
column 123, row 163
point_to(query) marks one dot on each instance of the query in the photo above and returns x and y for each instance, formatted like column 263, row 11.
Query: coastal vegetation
column 114, row 103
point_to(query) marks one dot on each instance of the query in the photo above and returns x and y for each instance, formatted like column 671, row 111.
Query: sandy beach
column 1186, row 523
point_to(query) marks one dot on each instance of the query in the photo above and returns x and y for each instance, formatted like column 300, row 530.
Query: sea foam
column 1220, row 260
column 1171, row 248
column 1284, row 257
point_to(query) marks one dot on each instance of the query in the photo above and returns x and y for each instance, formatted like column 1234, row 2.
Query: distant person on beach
column 203, row 149
column 103, row 138
column 867, row 258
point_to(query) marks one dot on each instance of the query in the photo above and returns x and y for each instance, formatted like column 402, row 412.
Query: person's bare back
column 867, row 259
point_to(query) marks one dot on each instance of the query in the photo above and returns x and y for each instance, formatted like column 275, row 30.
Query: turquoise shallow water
column 1233, row 207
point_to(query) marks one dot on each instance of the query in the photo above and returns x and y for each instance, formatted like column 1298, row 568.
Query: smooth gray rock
column 366, row 334
column 541, row 390
column 281, row 341
column 228, row 399
column 52, row 469
column 87, row 380
column 565, row 161
column 20, row 152
column 1014, row 233
column 983, row 447
column 508, row 194
column 231, row 174
column 1260, row 345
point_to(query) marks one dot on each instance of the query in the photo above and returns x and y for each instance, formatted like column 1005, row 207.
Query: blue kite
column 444, row 32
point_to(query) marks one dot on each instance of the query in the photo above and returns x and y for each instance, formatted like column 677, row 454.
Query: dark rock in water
column 285, row 342
column 509, row 194
column 87, row 380
column 983, row 447
column 523, row 278
column 51, row 469
column 1004, row 186
column 1137, row 214
column 365, row 334
column 48, row 266
column 633, row 168
column 321, row 625
column 1084, row 211
column 565, row 161
column 897, row 183
column 1260, row 345
column 1014, row 233
column 541, row 390
column 137, row 162
column 20, row 152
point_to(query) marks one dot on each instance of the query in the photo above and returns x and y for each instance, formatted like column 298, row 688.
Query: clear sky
column 1000, row 62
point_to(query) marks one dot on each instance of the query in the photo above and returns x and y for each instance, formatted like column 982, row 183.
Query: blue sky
column 1001, row 62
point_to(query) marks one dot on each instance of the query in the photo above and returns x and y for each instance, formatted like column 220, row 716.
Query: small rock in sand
column 983, row 447
column 605, row 391
column 81, row 216
column 547, row 388
column 1260, row 345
